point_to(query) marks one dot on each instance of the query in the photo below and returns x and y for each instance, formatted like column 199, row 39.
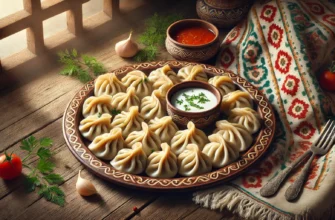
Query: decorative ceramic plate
column 78, row 145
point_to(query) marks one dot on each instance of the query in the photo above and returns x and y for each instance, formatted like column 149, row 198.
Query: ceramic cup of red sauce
column 192, row 40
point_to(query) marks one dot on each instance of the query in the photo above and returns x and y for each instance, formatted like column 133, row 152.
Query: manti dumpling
column 108, row 84
column 189, row 73
column 128, row 121
column 106, row 146
column 193, row 162
column 163, row 84
column 97, row 105
column 139, row 81
column 162, row 72
column 162, row 164
column 130, row 160
column 191, row 135
column 153, row 106
column 150, row 141
column 234, row 133
column 164, row 127
column 123, row 101
column 246, row 117
column 220, row 151
column 223, row 83
column 93, row 126
column 236, row 99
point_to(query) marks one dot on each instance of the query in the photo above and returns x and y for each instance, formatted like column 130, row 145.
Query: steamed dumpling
column 150, row 141
column 139, row 81
column 220, row 151
column 163, row 84
column 246, row 117
column 128, row 121
column 108, row 84
column 164, row 127
column 153, row 106
column 236, row 99
column 191, row 135
column 189, row 73
column 123, row 101
column 97, row 105
column 106, row 146
column 164, row 71
column 131, row 161
column 162, row 164
column 235, row 134
column 223, row 83
column 193, row 162
column 93, row 126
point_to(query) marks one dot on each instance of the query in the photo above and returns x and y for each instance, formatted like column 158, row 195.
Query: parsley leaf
column 41, row 176
column 115, row 112
column 28, row 144
column 54, row 178
column 45, row 166
column 30, row 183
column 53, row 194
column 45, row 142
column 179, row 101
column 187, row 108
column 44, row 153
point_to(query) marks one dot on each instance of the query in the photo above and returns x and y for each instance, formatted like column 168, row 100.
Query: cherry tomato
column 10, row 166
column 327, row 78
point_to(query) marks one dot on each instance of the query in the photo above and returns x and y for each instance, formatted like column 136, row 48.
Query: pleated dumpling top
column 191, row 135
column 189, row 73
column 162, row 164
column 108, row 84
column 192, row 161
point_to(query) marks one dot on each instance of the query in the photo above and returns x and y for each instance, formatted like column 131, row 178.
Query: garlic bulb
column 126, row 48
column 85, row 187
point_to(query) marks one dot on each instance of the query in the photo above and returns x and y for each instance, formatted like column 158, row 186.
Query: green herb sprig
column 180, row 102
column 187, row 108
column 193, row 100
column 83, row 67
column 41, row 175
column 115, row 112
column 154, row 36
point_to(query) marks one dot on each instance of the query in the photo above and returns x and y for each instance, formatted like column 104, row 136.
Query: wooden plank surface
column 35, row 107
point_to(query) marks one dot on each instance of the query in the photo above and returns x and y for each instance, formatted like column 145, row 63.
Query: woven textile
column 280, row 48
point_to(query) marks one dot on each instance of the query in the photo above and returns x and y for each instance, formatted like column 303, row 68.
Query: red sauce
column 194, row 36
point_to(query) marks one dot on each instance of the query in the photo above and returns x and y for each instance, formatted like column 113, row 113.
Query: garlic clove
column 126, row 48
column 85, row 187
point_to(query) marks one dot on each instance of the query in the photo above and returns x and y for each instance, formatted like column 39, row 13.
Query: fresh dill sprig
column 187, row 108
column 83, row 67
column 149, row 53
column 154, row 36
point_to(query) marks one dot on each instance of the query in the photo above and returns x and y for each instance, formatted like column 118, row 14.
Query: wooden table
column 34, row 104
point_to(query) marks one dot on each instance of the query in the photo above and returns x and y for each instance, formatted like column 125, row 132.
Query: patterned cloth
column 281, row 48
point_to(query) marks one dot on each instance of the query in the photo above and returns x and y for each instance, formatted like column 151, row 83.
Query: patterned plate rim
column 106, row 171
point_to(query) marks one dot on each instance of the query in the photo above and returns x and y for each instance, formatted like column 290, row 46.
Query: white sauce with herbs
column 194, row 100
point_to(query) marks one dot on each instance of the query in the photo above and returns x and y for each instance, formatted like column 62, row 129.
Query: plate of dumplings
column 118, row 127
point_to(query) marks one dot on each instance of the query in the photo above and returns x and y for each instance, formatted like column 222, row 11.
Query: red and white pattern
column 283, row 62
column 275, row 35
